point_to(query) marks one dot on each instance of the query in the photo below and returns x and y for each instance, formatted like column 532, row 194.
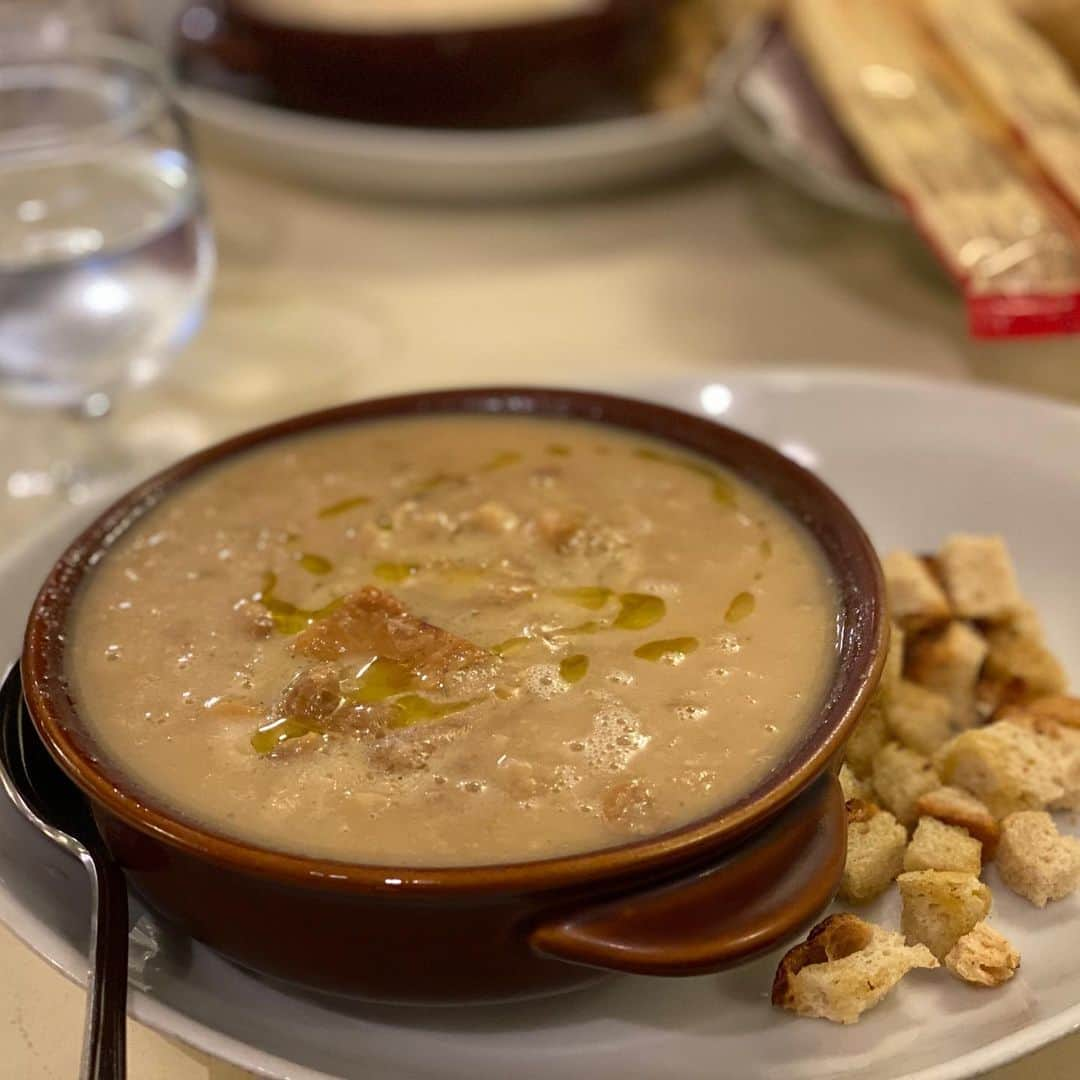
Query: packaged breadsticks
column 1028, row 83
column 933, row 137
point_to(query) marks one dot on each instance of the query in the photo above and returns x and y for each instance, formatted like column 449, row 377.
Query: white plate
column 573, row 159
column 468, row 166
column 916, row 460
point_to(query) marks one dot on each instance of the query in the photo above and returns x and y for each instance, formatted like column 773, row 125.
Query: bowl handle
column 765, row 890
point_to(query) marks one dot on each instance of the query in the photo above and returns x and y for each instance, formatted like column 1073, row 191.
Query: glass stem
column 70, row 454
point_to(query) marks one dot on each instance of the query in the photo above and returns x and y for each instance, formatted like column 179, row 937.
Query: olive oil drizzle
column 379, row 680
column 288, row 618
column 573, row 669
column 592, row 597
column 510, row 646
column 395, row 572
column 271, row 734
column 722, row 490
column 639, row 610
column 344, row 506
column 501, row 460
column 741, row 607
column 677, row 648
column 410, row 709
column 438, row 480
column 314, row 564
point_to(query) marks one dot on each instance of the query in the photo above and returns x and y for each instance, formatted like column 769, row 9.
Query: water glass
column 105, row 248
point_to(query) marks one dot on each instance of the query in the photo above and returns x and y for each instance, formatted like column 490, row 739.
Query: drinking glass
column 105, row 250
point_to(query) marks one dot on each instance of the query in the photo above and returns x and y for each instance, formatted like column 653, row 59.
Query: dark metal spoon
column 50, row 801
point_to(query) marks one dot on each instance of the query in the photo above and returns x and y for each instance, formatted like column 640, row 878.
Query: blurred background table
column 320, row 299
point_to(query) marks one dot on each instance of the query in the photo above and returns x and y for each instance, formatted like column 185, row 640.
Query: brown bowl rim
column 863, row 637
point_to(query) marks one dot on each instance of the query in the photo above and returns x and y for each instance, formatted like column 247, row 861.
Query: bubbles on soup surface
column 616, row 736
column 544, row 681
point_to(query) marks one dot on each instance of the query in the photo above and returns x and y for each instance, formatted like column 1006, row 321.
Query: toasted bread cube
column 1027, row 622
column 1062, row 744
column 1035, row 860
column 940, row 907
column 979, row 577
column 893, row 670
column 983, row 957
column 1060, row 708
column 875, row 852
column 1004, row 765
column 916, row 600
column 870, row 735
column 1022, row 664
column 949, row 661
column 937, row 846
column 900, row 776
column 919, row 718
column 844, row 967
column 954, row 806
column 853, row 787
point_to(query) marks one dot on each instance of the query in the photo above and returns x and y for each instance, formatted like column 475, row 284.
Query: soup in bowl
column 464, row 656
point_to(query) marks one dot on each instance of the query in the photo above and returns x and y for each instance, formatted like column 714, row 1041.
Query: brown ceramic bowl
column 525, row 71
column 700, row 898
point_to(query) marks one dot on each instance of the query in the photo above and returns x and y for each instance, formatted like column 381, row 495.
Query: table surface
column 725, row 268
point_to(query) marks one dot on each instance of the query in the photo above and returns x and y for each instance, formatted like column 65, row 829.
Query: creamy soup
column 346, row 15
column 451, row 641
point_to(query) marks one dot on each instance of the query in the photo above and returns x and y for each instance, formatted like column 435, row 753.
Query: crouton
column 1060, row 708
column 893, row 670
column 1004, row 765
column 1021, row 664
column 870, row 735
column 937, row 846
column 853, row 787
column 875, row 852
column 916, row 600
column 1027, row 622
column 979, row 578
column 371, row 622
column 844, row 967
column 950, row 661
column 900, row 776
column 954, row 806
column 1035, row 860
column 940, row 907
column 1062, row 745
column 983, row 957
column 919, row 718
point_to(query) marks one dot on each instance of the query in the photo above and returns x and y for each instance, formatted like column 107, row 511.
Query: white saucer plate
column 563, row 161
column 916, row 460
column 460, row 166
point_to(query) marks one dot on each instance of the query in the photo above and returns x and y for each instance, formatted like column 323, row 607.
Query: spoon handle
column 105, row 1041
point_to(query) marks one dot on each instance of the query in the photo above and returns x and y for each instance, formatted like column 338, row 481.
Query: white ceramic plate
column 554, row 162
column 916, row 460
column 404, row 163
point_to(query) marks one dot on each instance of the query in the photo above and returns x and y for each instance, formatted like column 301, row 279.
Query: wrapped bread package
column 970, row 120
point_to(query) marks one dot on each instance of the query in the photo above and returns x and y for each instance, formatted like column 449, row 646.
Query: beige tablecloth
column 319, row 298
